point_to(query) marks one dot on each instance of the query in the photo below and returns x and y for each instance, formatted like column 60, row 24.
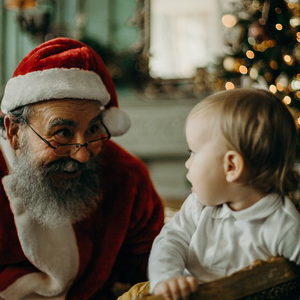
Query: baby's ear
column 233, row 165
column 12, row 132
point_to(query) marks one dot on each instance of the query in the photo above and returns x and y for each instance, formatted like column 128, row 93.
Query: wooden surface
column 259, row 277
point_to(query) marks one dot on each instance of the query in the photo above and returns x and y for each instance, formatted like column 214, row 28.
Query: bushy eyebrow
column 61, row 122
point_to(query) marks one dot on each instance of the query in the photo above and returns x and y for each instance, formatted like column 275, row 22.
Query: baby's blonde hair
column 258, row 125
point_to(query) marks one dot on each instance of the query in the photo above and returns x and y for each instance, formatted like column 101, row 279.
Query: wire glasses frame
column 65, row 149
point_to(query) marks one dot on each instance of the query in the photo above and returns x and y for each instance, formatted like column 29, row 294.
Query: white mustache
column 70, row 166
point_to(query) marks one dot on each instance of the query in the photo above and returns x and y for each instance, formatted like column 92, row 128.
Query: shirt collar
column 261, row 209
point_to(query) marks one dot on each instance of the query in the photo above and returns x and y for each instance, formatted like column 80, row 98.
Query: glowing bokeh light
column 250, row 54
column 229, row 85
column 287, row 100
column 229, row 20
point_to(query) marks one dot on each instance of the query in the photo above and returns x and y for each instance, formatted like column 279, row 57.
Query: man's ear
column 233, row 165
column 12, row 132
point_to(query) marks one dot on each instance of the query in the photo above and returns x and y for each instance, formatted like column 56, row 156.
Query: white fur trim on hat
column 116, row 121
column 56, row 83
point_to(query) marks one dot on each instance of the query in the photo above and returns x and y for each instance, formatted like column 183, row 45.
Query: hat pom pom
column 116, row 121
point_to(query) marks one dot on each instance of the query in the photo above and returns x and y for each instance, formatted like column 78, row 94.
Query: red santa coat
column 81, row 261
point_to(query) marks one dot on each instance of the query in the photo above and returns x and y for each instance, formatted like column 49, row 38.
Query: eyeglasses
column 70, row 149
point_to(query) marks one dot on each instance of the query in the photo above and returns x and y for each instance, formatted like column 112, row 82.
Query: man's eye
column 95, row 130
column 64, row 133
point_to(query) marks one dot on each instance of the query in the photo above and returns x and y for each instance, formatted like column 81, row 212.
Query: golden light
column 250, row 54
column 279, row 87
column 298, row 36
column 287, row 100
column 229, row 85
column 278, row 26
column 273, row 88
column 295, row 84
column 243, row 69
column 20, row 4
column 229, row 20
column 291, row 5
column 298, row 121
column 298, row 94
column 294, row 22
column 273, row 64
column 229, row 63
column 287, row 58
column 282, row 80
column 264, row 45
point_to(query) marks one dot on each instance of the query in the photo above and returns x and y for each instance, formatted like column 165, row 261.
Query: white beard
column 50, row 203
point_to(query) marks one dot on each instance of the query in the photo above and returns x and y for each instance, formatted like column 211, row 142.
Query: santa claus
column 77, row 212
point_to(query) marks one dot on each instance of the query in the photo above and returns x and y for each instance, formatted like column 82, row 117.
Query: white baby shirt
column 211, row 242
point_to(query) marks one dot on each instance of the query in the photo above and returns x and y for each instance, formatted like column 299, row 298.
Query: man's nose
column 82, row 155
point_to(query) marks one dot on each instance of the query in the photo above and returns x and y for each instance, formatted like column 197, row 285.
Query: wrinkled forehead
column 75, row 110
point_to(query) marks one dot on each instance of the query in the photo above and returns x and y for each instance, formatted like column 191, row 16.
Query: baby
column 241, row 167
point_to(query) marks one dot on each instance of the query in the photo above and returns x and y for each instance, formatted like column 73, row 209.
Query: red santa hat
column 65, row 68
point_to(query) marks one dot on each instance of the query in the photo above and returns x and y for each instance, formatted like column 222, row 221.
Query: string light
column 243, row 69
column 282, row 80
column 287, row 58
column 250, row 54
column 279, row 87
column 287, row 100
column 298, row 94
column 298, row 121
column 273, row 88
column 294, row 22
column 229, row 20
column 278, row 26
column 295, row 84
column 229, row 63
column 229, row 85
column 298, row 36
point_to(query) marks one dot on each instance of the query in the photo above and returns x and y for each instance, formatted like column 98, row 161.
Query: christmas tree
column 262, row 48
